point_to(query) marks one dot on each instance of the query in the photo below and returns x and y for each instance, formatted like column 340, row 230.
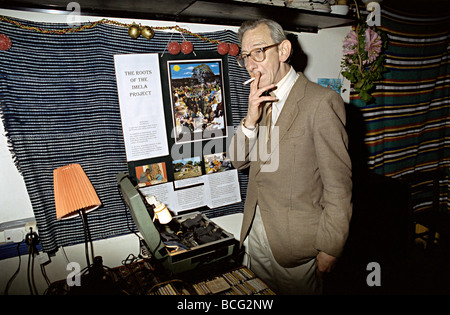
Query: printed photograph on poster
column 151, row 174
column 197, row 99
column 217, row 162
column 187, row 168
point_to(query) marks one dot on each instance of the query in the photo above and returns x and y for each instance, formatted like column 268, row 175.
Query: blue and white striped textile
column 59, row 105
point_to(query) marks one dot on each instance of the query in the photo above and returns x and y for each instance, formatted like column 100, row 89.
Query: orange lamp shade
column 73, row 192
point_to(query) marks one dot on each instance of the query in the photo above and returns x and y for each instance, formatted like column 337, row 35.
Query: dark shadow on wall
column 378, row 226
column 299, row 59
column 380, row 233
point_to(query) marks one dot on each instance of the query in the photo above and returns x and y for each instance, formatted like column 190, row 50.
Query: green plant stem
column 357, row 29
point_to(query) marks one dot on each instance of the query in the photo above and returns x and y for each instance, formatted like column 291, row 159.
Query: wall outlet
column 32, row 225
column 15, row 231
column 14, row 235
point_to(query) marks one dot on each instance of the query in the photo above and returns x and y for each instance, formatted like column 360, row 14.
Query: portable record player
column 187, row 241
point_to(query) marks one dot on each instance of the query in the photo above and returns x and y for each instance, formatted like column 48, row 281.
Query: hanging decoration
column 174, row 48
column 147, row 32
column 5, row 42
column 234, row 50
column 187, row 47
column 134, row 31
column 363, row 60
column 223, row 48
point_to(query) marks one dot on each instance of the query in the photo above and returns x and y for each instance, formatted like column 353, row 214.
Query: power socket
column 16, row 231
column 14, row 235
column 31, row 225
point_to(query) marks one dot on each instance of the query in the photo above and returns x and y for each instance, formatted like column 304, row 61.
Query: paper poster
column 141, row 106
column 212, row 190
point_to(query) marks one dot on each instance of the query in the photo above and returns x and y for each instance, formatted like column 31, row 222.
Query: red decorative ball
column 234, row 50
column 187, row 47
column 223, row 48
column 5, row 42
column 174, row 48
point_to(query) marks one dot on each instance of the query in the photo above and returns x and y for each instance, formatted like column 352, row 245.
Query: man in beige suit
column 298, row 206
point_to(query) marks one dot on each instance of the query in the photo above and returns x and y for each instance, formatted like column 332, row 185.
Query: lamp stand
column 87, row 238
column 96, row 280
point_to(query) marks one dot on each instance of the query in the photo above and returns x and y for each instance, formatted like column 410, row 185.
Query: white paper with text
column 141, row 105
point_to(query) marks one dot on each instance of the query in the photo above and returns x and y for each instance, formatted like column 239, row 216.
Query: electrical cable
column 10, row 281
column 28, row 272
column 141, row 240
column 129, row 260
column 32, row 239
column 32, row 273
column 65, row 254
column 44, row 274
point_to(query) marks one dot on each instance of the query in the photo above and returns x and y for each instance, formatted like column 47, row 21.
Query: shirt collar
column 285, row 84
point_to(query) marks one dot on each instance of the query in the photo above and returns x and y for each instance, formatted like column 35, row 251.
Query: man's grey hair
column 276, row 31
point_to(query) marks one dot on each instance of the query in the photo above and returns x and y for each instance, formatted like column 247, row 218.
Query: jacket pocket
column 302, row 229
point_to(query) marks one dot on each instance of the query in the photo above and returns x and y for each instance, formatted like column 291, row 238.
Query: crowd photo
column 197, row 99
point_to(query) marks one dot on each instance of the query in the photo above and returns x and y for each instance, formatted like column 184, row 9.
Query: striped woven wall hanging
column 59, row 105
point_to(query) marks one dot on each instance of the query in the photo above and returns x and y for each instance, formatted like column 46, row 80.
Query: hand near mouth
column 256, row 101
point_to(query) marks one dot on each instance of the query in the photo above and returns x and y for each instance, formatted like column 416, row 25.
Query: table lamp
column 75, row 195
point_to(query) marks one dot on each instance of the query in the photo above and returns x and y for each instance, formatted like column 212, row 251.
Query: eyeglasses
column 257, row 54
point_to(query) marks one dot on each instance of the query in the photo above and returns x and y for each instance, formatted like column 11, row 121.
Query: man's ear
column 285, row 50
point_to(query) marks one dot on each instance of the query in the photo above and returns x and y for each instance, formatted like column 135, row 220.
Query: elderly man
column 298, row 206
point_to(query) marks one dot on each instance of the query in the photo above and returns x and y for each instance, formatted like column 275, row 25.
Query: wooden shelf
column 218, row 12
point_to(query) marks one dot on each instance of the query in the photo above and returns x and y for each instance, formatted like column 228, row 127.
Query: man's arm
column 331, row 145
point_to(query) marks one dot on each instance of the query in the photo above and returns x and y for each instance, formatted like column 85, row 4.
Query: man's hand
column 325, row 263
column 256, row 100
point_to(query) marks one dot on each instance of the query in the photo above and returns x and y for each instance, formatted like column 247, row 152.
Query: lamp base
column 96, row 282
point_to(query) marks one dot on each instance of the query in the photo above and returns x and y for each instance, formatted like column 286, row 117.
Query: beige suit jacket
column 302, row 180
